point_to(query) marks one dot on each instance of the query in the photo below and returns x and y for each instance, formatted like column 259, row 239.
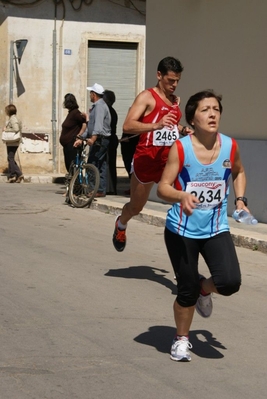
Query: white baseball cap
column 98, row 89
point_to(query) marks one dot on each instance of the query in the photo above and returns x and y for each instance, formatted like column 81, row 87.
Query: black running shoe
column 119, row 237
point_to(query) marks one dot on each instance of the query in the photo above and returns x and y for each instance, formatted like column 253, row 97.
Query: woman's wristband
column 243, row 199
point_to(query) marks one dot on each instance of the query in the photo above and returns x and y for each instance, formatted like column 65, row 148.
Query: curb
column 42, row 179
column 45, row 179
column 157, row 219
column 249, row 243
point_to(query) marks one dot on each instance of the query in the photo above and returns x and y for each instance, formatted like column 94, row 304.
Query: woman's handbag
column 11, row 137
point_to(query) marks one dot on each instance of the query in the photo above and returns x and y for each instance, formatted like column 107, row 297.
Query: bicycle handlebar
column 81, row 138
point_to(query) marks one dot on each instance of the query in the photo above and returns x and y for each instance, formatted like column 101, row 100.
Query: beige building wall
column 32, row 94
column 223, row 46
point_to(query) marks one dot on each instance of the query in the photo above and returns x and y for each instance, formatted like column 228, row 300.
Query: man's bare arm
column 143, row 105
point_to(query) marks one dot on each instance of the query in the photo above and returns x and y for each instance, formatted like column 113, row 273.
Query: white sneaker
column 180, row 350
column 204, row 305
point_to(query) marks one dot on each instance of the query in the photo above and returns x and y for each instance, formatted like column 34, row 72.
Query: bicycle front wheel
column 84, row 186
column 68, row 178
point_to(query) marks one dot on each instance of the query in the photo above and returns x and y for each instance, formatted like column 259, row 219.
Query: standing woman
column 73, row 125
column 110, row 98
column 13, row 125
column 196, row 181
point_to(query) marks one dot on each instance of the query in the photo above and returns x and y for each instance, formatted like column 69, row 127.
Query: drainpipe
column 54, row 94
column 11, row 72
column 60, row 95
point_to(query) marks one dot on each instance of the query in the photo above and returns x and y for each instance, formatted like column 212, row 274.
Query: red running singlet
column 152, row 150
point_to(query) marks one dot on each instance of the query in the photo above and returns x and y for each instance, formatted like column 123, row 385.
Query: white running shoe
column 180, row 350
column 204, row 305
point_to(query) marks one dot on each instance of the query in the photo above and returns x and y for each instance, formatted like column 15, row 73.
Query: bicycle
column 82, row 181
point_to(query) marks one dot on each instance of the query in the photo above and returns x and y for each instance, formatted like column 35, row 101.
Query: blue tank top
column 210, row 183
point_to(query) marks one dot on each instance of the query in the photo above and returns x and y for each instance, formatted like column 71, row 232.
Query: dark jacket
column 71, row 127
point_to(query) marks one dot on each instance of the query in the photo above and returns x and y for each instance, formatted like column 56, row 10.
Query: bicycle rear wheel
column 84, row 186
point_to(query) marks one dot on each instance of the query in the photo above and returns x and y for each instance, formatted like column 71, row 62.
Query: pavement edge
column 152, row 218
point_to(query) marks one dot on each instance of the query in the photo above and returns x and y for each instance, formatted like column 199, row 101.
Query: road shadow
column 204, row 344
column 144, row 273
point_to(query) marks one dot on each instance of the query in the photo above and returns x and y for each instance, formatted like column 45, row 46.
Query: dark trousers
column 69, row 154
column 13, row 169
column 220, row 256
column 98, row 157
column 112, row 164
column 128, row 150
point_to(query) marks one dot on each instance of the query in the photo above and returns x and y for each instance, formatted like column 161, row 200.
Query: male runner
column 155, row 115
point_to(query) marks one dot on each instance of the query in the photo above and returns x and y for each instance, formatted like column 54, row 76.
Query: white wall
column 36, row 24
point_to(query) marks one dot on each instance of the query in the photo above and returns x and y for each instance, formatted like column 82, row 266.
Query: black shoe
column 12, row 179
column 119, row 237
column 19, row 179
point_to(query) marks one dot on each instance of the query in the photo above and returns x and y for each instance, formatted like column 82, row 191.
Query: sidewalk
column 246, row 236
column 42, row 179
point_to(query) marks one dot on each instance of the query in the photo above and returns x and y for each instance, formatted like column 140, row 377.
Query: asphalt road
column 79, row 320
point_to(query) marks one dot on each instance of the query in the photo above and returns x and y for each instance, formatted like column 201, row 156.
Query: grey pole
column 11, row 73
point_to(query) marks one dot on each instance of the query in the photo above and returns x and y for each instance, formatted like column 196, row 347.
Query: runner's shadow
column 144, row 273
column 204, row 343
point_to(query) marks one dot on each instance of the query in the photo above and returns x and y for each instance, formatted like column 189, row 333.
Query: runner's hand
column 168, row 120
column 188, row 202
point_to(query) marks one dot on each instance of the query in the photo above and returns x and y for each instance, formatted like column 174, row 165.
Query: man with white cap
column 98, row 133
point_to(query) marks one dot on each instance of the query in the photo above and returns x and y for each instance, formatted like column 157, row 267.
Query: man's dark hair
column 170, row 64
column 70, row 102
column 194, row 100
